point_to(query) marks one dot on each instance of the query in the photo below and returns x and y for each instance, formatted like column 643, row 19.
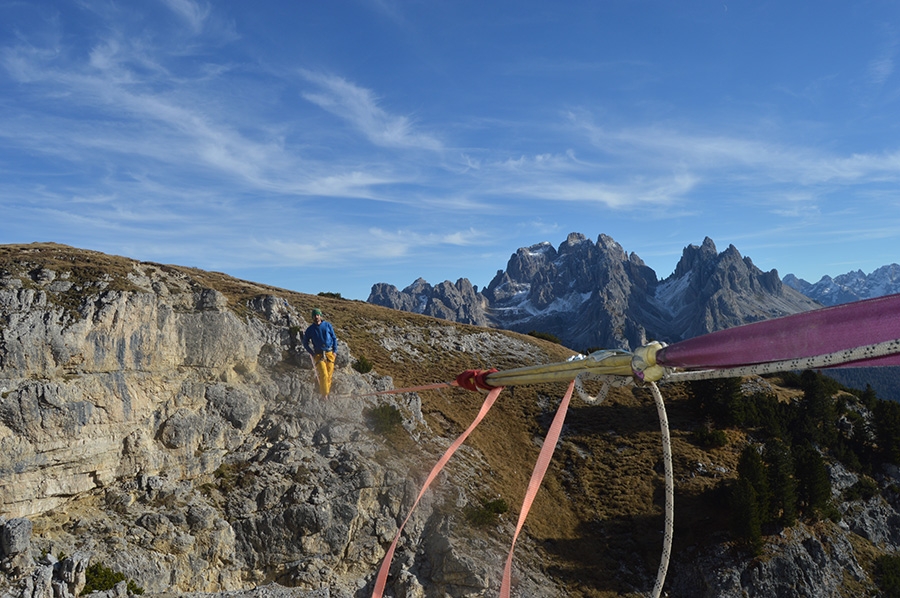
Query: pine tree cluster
column 782, row 474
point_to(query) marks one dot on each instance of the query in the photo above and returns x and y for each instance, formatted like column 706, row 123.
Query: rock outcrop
column 152, row 423
column 712, row 291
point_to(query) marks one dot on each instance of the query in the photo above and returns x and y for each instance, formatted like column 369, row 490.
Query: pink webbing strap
column 818, row 332
column 381, row 580
column 540, row 468
column 470, row 380
column 400, row 391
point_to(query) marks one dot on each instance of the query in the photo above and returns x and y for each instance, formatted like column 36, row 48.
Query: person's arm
column 333, row 339
column 306, row 338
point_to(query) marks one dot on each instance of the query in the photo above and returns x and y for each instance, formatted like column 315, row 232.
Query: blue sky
column 326, row 146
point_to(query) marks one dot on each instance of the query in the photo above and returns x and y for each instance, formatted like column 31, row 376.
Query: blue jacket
column 319, row 338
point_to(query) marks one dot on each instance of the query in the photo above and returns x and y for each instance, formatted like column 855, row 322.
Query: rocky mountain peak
column 711, row 291
column 610, row 247
column 526, row 262
column 693, row 257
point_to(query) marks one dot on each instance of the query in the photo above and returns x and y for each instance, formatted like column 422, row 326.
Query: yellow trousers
column 324, row 371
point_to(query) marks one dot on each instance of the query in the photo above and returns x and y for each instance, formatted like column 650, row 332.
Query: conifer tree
column 717, row 398
column 813, row 483
column 887, row 430
column 752, row 470
column 782, row 482
column 746, row 515
column 818, row 411
column 869, row 398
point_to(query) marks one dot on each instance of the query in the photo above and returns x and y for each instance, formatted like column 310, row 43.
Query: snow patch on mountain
column 520, row 308
column 670, row 294
column 539, row 249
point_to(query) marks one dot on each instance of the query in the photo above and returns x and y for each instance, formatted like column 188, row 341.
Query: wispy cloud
column 360, row 108
column 569, row 178
column 342, row 245
column 632, row 194
column 881, row 69
column 351, row 184
column 135, row 113
column 244, row 134
column 193, row 13
column 388, row 8
column 721, row 157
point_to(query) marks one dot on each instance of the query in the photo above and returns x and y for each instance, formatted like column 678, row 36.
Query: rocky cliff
column 165, row 422
column 162, row 422
column 596, row 295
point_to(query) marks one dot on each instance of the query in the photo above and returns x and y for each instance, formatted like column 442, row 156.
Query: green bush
column 864, row 489
column 888, row 575
column 709, row 437
column 545, row 336
column 100, row 578
column 233, row 475
column 330, row 295
column 487, row 513
column 363, row 365
column 384, row 419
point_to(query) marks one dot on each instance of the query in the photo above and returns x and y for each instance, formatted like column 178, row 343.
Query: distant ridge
column 852, row 286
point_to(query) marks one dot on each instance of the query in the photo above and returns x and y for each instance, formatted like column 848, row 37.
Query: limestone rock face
column 81, row 386
column 802, row 564
column 153, row 423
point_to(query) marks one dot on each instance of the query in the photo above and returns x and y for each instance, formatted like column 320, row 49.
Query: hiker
column 320, row 342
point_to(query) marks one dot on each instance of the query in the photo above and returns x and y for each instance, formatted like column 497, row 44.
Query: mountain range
column 594, row 294
column 852, row 286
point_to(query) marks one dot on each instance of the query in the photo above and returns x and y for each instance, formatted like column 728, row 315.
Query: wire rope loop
column 670, row 491
column 609, row 382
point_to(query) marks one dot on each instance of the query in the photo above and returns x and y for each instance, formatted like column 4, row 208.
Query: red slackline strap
column 381, row 580
column 540, row 468
column 400, row 391
column 475, row 379
column 470, row 380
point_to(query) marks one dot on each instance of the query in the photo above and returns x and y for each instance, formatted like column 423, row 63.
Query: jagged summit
column 595, row 294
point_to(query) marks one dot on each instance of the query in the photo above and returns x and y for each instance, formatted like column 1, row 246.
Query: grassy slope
column 597, row 521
